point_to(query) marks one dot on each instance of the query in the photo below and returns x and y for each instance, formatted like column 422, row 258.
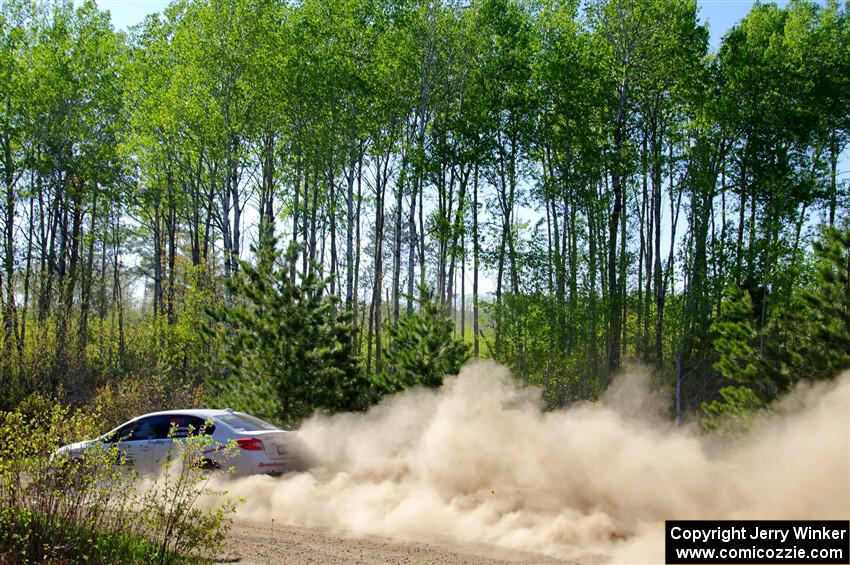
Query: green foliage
column 120, row 400
column 55, row 507
column 828, row 306
column 172, row 519
column 807, row 340
column 285, row 334
column 423, row 348
column 363, row 130
column 735, row 413
column 737, row 338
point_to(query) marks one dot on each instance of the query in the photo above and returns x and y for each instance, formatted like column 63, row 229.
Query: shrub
column 122, row 400
column 172, row 517
column 284, row 335
column 55, row 507
column 423, row 348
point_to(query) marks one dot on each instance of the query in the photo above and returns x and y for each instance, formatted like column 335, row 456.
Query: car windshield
column 245, row 423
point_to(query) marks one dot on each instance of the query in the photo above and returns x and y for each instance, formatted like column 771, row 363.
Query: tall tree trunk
column 158, row 294
column 305, row 224
column 475, row 252
column 117, row 292
column 171, row 232
column 457, row 228
column 658, row 290
column 412, row 245
column 86, row 286
column 613, row 288
column 233, row 185
column 421, row 231
column 593, row 322
column 380, row 193
column 333, row 250
column 643, row 233
column 101, row 310
column 195, row 188
column 49, row 267
column 267, row 186
column 68, row 287
column 621, row 289
column 357, row 245
column 505, row 207
column 224, row 221
column 314, row 213
column 210, row 215
column 512, row 179
column 742, row 206
column 396, row 284
column 463, row 286
column 10, row 313
column 27, row 274
column 573, row 264
column 296, row 205
column 720, row 249
column 834, row 150
column 349, row 234
column 619, row 197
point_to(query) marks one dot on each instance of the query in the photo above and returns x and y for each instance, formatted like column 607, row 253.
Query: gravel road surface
column 267, row 543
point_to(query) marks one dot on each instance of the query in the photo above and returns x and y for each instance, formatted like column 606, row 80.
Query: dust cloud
column 480, row 461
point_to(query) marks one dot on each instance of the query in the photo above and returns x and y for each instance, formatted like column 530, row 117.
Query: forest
column 290, row 206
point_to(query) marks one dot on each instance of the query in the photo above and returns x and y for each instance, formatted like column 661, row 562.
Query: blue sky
column 723, row 14
column 720, row 14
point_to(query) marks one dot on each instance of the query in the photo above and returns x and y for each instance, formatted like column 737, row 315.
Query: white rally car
column 145, row 442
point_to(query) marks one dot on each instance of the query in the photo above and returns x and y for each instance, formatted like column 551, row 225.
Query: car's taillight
column 250, row 444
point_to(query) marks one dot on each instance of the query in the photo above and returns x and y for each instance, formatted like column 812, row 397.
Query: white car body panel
column 282, row 450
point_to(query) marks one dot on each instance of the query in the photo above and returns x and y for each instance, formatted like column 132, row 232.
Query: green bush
column 119, row 401
column 286, row 348
column 762, row 352
column 171, row 517
column 423, row 348
column 56, row 507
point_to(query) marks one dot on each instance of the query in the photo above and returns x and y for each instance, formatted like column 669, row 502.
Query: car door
column 176, row 428
column 136, row 439
column 133, row 448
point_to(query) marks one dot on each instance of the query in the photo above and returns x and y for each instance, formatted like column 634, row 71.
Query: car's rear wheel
column 208, row 465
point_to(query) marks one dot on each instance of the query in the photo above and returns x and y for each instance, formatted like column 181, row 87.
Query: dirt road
column 261, row 544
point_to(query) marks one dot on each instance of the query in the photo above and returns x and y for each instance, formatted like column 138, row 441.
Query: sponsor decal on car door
column 173, row 429
column 134, row 444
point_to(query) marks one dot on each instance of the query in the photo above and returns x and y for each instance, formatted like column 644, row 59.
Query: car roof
column 199, row 412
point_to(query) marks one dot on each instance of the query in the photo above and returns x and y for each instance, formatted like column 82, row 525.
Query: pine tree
column 828, row 306
column 740, row 363
column 807, row 340
column 737, row 339
column 423, row 347
column 285, row 336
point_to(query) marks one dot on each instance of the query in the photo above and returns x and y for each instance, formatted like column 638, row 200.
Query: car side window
column 159, row 427
column 124, row 433
column 145, row 429
column 185, row 426
column 149, row 428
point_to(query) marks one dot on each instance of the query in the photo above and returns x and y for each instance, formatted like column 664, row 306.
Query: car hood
column 75, row 448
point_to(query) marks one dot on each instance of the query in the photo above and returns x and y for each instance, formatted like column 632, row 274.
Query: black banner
column 763, row 542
